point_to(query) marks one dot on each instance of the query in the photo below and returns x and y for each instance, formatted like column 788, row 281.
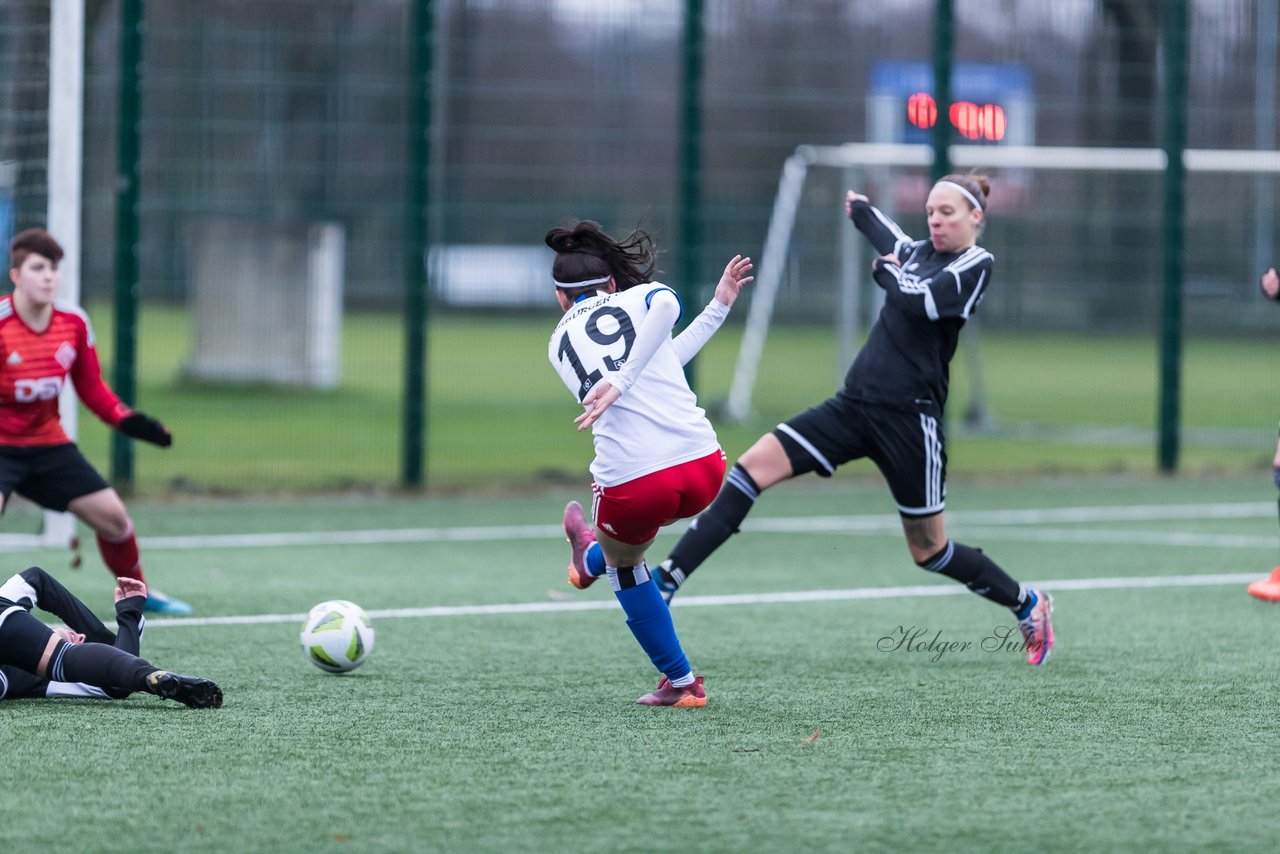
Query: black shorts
column 50, row 475
column 23, row 637
column 907, row 446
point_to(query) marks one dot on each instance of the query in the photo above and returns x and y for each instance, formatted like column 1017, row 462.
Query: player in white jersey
column 657, row 458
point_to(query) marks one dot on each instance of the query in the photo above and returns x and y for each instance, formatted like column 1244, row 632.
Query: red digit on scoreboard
column 922, row 110
column 973, row 121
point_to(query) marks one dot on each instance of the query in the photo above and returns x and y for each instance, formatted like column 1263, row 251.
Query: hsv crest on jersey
column 65, row 356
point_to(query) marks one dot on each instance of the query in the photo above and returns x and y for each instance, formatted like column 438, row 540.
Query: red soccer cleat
column 691, row 696
column 1268, row 588
column 579, row 536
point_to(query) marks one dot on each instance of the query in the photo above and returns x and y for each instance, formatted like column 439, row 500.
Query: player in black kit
column 890, row 408
column 85, row 659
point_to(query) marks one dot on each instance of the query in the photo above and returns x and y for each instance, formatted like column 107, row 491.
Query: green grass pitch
column 1152, row 727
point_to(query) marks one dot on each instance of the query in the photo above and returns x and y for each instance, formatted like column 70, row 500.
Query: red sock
column 121, row 555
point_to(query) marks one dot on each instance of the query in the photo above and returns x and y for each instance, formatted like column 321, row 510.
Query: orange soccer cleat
column 691, row 696
column 580, row 538
column 1267, row 588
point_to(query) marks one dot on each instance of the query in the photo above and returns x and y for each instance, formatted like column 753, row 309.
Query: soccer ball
column 337, row 636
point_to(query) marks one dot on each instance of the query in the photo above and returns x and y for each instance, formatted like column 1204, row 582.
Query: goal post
column 60, row 165
column 857, row 161
column 66, row 123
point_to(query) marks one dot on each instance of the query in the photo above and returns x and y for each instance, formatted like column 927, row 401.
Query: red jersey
column 34, row 367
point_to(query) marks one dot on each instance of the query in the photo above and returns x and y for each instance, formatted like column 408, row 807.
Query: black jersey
column 906, row 358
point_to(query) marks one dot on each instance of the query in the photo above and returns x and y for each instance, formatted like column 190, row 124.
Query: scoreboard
column 990, row 105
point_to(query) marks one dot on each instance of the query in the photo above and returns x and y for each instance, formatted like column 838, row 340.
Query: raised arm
column 884, row 233
column 699, row 332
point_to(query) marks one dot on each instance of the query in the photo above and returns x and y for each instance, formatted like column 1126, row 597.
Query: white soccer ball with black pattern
column 337, row 636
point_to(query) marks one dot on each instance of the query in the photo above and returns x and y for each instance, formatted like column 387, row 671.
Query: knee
column 766, row 462
column 932, row 558
column 114, row 524
column 35, row 576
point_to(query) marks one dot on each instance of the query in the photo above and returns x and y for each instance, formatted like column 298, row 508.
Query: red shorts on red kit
column 632, row 512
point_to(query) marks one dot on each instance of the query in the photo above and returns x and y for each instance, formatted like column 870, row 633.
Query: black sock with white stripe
column 976, row 571
column 99, row 665
column 717, row 523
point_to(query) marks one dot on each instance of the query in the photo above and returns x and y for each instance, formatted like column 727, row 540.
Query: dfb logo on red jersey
column 44, row 388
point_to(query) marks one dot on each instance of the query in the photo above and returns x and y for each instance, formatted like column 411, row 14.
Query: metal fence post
column 689, row 195
column 124, row 374
column 944, row 25
column 1173, row 232
column 418, row 155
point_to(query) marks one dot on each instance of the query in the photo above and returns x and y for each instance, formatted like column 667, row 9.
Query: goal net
column 41, row 114
column 1077, row 237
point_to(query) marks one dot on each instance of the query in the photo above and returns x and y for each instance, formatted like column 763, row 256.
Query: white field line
column 791, row 597
column 965, row 521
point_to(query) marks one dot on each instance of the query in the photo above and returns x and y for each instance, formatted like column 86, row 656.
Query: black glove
column 146, row 428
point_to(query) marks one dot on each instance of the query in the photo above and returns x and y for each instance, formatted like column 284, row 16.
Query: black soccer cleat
column 193, row 692
column 669, row 580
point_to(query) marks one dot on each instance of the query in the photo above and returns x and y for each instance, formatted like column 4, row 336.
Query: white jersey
column 656, row 423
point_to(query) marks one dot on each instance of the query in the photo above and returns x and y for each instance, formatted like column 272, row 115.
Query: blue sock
column 1024, row 610
column 593, row 559
column 649, row 619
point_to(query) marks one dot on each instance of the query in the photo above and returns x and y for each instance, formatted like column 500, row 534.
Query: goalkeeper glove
column 146, row 428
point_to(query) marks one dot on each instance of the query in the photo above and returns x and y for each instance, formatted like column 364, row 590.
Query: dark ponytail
column 584, row 252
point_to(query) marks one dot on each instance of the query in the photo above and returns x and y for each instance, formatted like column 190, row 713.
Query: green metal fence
column 264, row 126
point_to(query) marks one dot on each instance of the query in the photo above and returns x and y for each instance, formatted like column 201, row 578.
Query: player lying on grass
column 85, row 659
column 657, row 458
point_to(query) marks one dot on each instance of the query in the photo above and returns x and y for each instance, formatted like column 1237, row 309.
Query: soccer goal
column 895, row 176
column 41, row 118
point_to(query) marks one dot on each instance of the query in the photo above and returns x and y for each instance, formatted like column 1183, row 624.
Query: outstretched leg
column 933, row 551
column 763, row 465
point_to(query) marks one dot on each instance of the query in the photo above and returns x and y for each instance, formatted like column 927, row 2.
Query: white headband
column 585, row 284
column 963, row 192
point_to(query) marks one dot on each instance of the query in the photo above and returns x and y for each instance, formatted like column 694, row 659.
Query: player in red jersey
column 42, row 343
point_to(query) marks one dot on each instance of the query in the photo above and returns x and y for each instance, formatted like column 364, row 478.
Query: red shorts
column 632, row 512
